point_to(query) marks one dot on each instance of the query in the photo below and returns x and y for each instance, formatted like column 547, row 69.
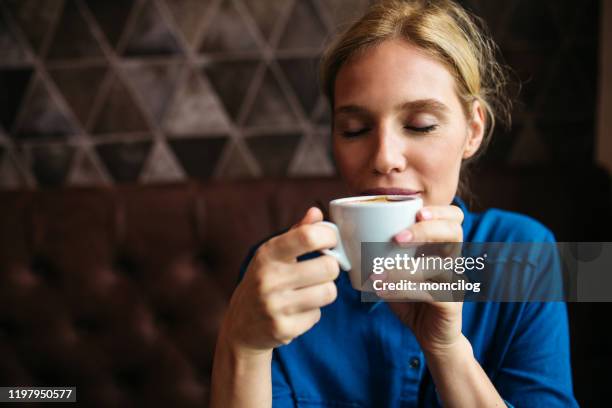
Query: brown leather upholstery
column 120, row 291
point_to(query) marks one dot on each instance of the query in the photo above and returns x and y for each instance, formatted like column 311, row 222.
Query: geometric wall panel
column 322, row 114
column 124, row 160
column 42, row 117
column 227, row 31
column 304, row 28
column 11, row 51
column 73, row 37
column 195, row 109
column 119, row 112
column 51, row 163
column 163, row 90
column 266, row 14
column 154, row 84
column 271, row 107
column 236, row 164
column 199, row 156
column 35, row 18
column 11, row 177
column 13, row 82
column 188, row 15
column 312, row 159
column 79, row 87
column 161, row 166
column 151, row 35
column 274, row 152
column 231, row 81
column 343, row 12
column 85, row 171
column 302, row 74
column 111, row 17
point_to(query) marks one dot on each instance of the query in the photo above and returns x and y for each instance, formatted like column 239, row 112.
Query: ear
column 476, row 129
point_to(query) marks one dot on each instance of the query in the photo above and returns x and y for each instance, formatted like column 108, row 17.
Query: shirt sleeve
column 282, row 396
column 536, row 369
column 247, row 260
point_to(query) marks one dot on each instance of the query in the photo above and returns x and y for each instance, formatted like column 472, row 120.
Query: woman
column 414, row 89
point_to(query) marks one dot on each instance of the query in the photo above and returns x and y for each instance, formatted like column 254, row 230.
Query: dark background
column 97, row 92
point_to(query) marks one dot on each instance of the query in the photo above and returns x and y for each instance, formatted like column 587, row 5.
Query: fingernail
column 404, row 236
column 426, row 214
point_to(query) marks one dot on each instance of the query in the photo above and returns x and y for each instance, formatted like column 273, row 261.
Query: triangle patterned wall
column 151, row 91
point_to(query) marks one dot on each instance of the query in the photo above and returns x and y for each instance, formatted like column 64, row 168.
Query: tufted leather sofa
column 120, row 291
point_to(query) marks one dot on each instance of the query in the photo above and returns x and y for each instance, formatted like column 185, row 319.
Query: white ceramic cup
column 361, row 219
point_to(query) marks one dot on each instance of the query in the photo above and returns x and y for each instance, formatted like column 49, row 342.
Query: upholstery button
column 10, row 328
column 42, row 267
column 415, row 362
column 132, row 378
column 126, row 266
column 88, row 324
column 167, row 320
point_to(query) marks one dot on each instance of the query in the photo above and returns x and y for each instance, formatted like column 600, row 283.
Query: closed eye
column 359, row 132
column 355, row 133
column 425, row 129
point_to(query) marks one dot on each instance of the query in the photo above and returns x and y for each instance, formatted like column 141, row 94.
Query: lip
column 389, row 191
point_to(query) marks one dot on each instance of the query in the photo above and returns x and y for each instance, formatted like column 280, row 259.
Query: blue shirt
column 363, row 356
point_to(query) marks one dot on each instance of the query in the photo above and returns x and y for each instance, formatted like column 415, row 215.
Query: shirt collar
column 468, row 217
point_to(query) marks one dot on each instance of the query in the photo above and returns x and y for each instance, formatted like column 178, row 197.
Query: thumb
column 312, row 215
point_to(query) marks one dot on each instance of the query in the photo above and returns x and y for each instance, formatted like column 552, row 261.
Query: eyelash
column 422, row 130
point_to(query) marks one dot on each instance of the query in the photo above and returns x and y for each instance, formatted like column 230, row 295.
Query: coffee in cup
column 382, row 199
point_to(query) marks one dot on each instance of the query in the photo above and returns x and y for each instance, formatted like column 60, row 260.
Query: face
column 399, row 127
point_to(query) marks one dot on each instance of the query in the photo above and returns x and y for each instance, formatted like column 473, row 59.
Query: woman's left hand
column 436, row 325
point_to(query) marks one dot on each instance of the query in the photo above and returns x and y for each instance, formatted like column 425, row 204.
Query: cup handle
column 337, row 252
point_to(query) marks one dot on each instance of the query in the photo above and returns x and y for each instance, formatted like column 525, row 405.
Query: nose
column 388, row 154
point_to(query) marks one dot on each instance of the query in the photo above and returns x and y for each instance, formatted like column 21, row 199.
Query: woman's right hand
column 279, row 298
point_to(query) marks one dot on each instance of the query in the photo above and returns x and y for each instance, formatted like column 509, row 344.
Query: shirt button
column 415, row 362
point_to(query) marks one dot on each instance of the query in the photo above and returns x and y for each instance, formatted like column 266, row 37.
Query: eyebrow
column 420, row 105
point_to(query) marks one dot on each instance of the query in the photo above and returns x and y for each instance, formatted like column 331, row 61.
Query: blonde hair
column 447, row 32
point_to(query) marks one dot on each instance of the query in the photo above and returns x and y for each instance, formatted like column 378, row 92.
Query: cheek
column 438, row 162
column 441, row 162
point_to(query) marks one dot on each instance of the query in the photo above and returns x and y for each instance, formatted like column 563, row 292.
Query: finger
column 433, row 231
column 302, row 322
column 405, row 295
column 309, row 298
column 398, row 285
column 312, row 272
column 425, row 291
column 286, row 328
column 440, row 212
column 300, row 240
column 431, row 273
column 313, row 215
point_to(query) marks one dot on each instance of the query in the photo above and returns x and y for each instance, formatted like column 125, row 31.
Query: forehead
column 392, row 72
